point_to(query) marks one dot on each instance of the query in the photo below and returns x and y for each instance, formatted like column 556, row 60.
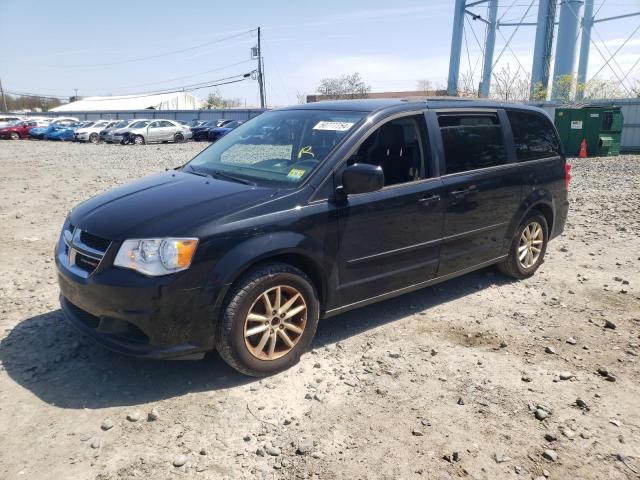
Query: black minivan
column 304, row 213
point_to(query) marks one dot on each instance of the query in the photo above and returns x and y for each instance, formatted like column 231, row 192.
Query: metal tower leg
column 456, row 48
column 567, row 40
column 585, row 43
column 542, row 51
column 489, row 46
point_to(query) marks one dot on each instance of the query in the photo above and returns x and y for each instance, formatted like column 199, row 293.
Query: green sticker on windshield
column 296, row 173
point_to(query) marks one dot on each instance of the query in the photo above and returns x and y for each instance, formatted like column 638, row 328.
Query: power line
column 187, row 88
column 184, row 76
column 159, row 55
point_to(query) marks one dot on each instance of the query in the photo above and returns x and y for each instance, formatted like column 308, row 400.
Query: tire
column 250, row 356
column 94, row 138
column 138, row 140
column 15, row 136
column 524, row 243
column 178, row 138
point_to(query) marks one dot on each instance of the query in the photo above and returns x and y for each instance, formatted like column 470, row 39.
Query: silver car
column 159, row 131
column 121, row 135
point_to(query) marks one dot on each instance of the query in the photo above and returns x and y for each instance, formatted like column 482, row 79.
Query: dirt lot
column 446, row 382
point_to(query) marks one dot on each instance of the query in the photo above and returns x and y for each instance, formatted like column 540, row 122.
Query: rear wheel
column 15, row 136
column 269, row 320
column 528, row 247
column 94, row 138
column 138, row 140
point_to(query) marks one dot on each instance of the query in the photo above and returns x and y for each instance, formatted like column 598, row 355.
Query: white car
column 6, row 120
column 91, row 133
column 159, row 131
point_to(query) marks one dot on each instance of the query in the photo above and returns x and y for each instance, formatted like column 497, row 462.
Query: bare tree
column 344, row 87
column 215, row 100
column 508, row 86
column 597, row 88
column 425, row 86
column 301, row 97
column 466, row 86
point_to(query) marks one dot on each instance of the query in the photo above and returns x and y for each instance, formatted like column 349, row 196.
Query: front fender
column 253, row 250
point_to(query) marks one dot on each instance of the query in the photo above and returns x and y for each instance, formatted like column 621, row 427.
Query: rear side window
column 533, row 135
column 471, row 141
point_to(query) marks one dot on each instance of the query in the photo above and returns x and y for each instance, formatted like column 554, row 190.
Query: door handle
column 428, row 199
column 459, row 194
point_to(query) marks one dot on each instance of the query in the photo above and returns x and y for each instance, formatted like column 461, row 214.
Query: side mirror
column 362, row 178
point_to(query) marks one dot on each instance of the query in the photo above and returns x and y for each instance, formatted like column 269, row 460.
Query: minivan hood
column 172, row 203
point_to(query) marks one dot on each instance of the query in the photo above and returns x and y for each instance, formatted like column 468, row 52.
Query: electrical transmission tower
column 573, row 24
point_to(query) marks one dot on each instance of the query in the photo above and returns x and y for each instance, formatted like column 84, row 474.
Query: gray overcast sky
column 52, row 47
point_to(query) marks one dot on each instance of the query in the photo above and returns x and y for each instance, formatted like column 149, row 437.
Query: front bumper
column 81, row 137
column 149, row 317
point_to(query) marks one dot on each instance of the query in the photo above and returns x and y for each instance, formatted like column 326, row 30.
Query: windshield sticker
column 334, row 126
column 296, row 173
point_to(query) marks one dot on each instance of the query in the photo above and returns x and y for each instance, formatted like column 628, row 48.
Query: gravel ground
column 479, row 377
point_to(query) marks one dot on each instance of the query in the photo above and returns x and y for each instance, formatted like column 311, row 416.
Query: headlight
column 156, row 256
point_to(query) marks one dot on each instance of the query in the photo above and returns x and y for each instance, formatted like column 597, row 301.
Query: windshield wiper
column 233, row 178
column 219, row 174
column 197, row 172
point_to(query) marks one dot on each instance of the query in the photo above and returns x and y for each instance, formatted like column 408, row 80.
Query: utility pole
column 260, row 76
column 4, row 100
column 75, row 99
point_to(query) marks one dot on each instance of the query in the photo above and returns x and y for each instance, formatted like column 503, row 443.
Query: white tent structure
column 162, row 101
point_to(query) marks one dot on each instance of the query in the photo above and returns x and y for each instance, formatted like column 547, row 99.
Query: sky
column 136, row 46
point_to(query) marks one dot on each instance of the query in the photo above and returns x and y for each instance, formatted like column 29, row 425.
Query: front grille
column 86, row 263
column 93, row 241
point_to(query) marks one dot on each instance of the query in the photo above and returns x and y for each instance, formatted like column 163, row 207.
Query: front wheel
column 138, row 140
column 15, row 136
column 528, row 247
column 94, row 138
column 269, row 320
column 178, row 138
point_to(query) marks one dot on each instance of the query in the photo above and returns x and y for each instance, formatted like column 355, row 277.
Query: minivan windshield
column 279, row 148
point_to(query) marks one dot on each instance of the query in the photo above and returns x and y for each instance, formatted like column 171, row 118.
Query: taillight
column 567, row 175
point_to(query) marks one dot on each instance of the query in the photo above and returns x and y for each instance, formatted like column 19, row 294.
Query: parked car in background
column 106, row 134
column 17, row 130
column 123, row 135
column 38, row 133
column 195, row 123
column 159, row 131
column 216, row 133
column 343, row 204
column 65, row 120
column 6, row 120
column 65, row 133
column 201, row 132
column 91, row 133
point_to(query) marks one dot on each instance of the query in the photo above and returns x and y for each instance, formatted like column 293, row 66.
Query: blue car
column 39, row 132
column 63, row 133
column 219, row 132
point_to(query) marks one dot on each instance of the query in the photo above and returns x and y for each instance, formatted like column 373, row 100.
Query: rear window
column 533, row 135
column 471, row 141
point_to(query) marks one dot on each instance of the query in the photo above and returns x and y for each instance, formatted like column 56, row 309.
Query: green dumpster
column 600, row 126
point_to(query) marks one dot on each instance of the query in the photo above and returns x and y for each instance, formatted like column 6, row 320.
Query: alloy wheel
column 275, row 322
column 530, row 245
column 15, row 136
